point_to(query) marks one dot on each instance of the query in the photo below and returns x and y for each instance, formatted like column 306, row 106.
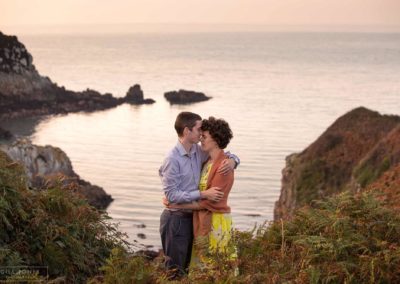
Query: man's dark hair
column 219, row 130
column 185, row 119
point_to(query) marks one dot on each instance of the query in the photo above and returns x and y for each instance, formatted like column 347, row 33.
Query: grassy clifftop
column 352, row 153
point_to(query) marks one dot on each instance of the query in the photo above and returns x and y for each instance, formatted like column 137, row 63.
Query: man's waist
column 180, row 212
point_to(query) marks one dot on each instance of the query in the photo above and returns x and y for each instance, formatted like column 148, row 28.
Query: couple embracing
column 196, row 181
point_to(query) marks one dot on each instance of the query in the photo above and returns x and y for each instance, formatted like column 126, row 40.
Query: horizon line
column 192, row 27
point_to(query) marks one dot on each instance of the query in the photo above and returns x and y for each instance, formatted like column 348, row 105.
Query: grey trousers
column 176, row 230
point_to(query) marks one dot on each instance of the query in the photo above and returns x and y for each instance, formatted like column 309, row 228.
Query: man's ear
column 186, row 131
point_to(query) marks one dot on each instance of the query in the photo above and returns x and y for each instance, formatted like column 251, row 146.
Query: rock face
column 135, row 96
column 46, row 166
column 185, row 97
column 24, row 92
column 14, row 58
column 351, row 154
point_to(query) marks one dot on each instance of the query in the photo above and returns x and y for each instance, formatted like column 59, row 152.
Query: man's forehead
column 198, row 123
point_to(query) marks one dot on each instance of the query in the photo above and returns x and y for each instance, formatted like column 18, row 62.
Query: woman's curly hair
column 219, row 130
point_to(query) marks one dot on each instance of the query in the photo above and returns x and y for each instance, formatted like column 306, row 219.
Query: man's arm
column 170, row 179
column 213, row 194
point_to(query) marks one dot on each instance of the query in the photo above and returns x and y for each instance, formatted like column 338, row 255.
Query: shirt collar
column 182, row 150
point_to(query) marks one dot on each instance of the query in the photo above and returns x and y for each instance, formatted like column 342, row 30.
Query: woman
column 212, row 221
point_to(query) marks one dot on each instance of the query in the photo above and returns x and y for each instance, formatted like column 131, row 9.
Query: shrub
column 53, row 228
column 344, row 239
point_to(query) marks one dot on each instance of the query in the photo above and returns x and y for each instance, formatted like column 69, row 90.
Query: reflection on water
column 279, row 92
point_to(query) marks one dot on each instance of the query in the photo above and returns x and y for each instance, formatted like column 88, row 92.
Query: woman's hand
column 169, row 205
column 226, row 166
column 213, row 193
column 165, row 202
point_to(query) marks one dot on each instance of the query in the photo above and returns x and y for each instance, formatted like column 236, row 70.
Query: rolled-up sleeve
column 171, row 179
column 234, row 157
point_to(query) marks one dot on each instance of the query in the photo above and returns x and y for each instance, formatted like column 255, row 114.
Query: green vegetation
column 346, row 238
column 53, row 228
column 310, row 178
column 122, row 267
column 367, row 173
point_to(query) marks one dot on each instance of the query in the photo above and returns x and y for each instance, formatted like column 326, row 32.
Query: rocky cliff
column 46, row 166
column 353, row 153
column 24, row 92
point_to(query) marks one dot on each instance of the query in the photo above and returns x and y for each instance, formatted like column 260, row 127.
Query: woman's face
column 207, row 143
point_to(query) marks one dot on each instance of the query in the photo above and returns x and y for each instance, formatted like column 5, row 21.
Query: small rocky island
column 185, row 97
column 135, row 96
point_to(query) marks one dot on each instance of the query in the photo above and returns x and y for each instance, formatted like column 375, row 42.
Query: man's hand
column 226, row 166
column 213, row 194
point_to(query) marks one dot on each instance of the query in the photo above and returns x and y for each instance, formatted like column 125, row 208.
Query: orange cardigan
column 202, row 218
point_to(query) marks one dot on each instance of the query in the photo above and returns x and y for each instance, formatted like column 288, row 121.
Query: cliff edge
column 353, row 153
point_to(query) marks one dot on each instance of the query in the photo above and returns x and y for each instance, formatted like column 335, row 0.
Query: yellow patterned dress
column 218, row 241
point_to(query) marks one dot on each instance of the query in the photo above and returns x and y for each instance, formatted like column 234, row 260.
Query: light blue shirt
column 180, row 173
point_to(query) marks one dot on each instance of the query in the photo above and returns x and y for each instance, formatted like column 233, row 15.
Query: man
column 180, row 175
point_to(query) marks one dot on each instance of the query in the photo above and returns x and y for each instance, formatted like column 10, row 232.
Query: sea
column 279, row 91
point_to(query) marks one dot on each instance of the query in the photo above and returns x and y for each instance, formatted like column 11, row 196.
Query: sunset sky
column 315, row 14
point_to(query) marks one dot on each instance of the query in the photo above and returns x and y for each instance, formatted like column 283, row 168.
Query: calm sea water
column 278, row 91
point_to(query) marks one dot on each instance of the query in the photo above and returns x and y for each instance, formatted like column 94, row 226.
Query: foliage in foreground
column 344, row 239
column 52, row 228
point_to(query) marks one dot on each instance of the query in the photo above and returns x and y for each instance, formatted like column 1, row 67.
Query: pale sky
column 32, row 14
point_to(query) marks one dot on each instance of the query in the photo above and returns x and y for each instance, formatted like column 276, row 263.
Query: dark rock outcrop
column 47, row 166
column 14, row 58
column 24, row 92
column 135, row 96
column 5, row 134
column 185, row 97
column 351, row 154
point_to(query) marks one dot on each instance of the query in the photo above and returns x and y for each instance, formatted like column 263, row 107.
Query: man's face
column 195, row 133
